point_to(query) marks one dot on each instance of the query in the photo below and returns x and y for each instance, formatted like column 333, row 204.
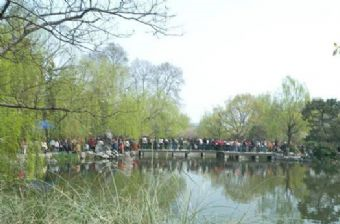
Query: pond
column 215, row 191
column 182, row 190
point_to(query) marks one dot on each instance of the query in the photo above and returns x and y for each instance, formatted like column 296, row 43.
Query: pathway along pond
column 215, row 191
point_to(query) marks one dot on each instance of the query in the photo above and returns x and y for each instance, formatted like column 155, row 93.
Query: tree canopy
column 47, row 91
column 263, row 117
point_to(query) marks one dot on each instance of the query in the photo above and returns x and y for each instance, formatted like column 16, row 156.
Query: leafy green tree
column 324, row 123
column 87, row 96
column 211, row 125
column 238, row 115
column 264, row 122
column 323, row 117
column 291, row 100
column 28, row 28
column 244, row 116
column 20, row 87
column 109, row 98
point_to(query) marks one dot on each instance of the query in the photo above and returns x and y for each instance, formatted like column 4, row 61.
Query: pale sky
column 246, row 46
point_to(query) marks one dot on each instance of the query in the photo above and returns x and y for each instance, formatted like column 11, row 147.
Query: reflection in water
column 323, row 199
column 247, row 192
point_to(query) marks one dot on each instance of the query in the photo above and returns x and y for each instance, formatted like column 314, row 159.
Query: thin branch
column 8, row 2
column 76, row 12
column 66, row 110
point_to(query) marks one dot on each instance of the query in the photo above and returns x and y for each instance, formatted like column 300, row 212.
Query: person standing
column 44, row 147
column 24, row 146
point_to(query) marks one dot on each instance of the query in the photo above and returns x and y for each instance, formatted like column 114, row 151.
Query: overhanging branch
column 66, row 110
column 75, row 22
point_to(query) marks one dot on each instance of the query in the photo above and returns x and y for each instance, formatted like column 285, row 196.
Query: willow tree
column 56, row 25
column 109, row 97
column 291, row 100
column 20, row 84
column 265, row 123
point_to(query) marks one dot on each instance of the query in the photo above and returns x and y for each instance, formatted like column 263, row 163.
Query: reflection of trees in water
column 125, row 180
column 279, row 206
column 323, row 199
column 283, row 192
column 275, row 187
column 243, row 182
column 183, row 165
column 286, row 193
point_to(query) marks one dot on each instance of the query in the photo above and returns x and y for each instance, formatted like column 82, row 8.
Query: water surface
column 230, row 192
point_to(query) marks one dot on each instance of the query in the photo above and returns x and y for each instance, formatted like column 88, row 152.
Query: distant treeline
column 287, row 116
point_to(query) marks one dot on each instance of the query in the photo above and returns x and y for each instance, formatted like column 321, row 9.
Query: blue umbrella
column 45, row 124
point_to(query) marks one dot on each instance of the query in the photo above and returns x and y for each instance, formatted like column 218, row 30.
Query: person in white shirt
column 44, row 146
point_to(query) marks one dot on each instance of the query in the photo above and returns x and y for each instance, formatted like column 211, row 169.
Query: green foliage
column 323, row 117
column 18, row 84
column 244, row 116
column 238, row 115
column 324, row 123
column 263, row 117
column 292, row 99
column 66, row 158
column 90, row 98
column 321, row 150
column 9, row 131
column 35, row 165
column 211, row 125
column 265, row 123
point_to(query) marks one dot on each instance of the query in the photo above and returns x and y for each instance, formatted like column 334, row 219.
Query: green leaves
column 93, row 96
column 291, row 100
column 263, row 117
column 324, row 122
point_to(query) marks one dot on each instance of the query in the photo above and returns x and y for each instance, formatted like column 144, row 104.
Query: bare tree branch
column 79, row 23
column 5, row 7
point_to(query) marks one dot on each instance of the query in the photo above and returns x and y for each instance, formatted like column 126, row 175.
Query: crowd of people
column 210, row 144
column 121, row 144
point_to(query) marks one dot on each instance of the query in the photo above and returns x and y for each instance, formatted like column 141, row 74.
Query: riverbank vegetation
column 106, row 198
